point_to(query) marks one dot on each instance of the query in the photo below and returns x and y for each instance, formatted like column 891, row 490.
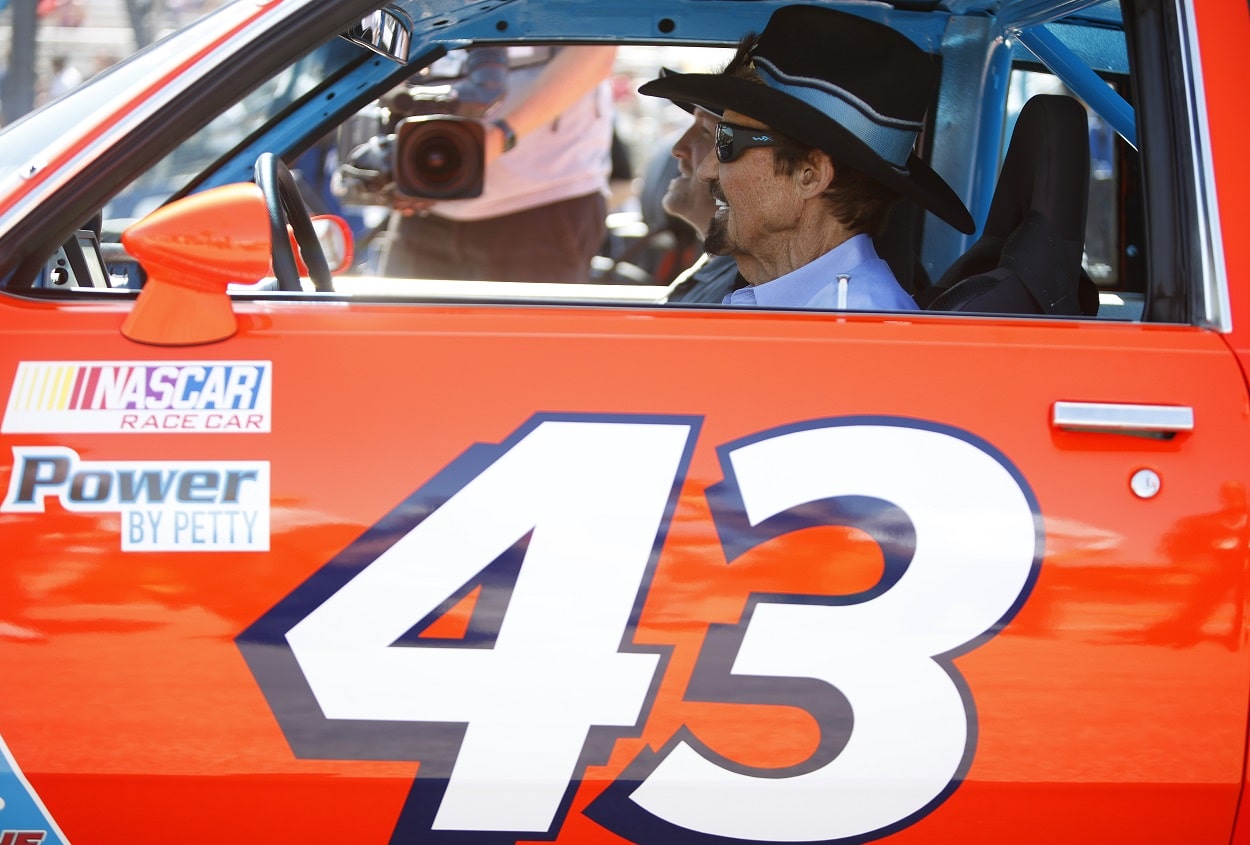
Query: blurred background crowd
column 49, row 46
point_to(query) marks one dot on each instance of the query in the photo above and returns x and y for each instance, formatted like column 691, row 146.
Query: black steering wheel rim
column 284, row 203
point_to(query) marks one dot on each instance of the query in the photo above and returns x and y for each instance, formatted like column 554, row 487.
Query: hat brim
column 807, row 125
column 682, row 104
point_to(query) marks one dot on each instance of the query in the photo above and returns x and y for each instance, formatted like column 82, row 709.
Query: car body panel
column 1127, row 632
column 1218, row 30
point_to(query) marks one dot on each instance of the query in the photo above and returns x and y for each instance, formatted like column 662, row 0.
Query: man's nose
column 682, row 147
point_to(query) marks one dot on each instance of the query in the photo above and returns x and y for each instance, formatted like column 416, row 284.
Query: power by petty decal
column 23, row 818
column 140, row 396
column 164, row 505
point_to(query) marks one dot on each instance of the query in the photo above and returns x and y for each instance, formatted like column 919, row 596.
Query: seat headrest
column 1046, row 169
column 1034, row 234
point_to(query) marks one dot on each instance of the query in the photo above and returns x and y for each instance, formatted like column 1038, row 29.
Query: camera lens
column 439, row 157
column 439, row 160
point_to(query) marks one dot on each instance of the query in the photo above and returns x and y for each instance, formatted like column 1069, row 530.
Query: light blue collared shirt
column 870, row 284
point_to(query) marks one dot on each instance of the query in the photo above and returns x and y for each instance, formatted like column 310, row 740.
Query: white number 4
column 594, row 495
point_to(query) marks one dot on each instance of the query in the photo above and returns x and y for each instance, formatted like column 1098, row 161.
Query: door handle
column 1161, row 421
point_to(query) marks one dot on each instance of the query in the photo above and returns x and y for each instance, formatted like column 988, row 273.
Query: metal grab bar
column 1164, row 421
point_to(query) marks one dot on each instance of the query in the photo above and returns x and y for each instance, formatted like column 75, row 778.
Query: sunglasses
column 732, row 140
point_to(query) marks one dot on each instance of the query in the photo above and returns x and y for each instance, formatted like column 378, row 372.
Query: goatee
column 717, row 240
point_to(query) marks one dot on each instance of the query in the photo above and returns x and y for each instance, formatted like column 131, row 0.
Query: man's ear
column 815, row 175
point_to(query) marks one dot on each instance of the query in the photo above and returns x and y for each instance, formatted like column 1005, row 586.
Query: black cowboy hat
column 682, row 104
column 840, row 83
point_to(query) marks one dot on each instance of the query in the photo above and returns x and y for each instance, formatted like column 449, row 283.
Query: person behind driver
column 819, row 116
column 711, row 277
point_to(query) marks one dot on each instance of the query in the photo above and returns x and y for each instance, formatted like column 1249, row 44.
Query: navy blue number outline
column 615, row 810
column 312, row 736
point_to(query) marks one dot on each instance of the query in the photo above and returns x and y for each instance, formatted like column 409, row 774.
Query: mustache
column 716, row 192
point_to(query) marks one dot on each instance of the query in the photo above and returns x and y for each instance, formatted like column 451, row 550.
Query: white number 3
column 962, row 541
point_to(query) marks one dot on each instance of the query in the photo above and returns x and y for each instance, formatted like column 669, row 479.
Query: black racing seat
column 1028, row 258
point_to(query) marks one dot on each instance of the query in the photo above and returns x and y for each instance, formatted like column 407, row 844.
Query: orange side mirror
column 192, row 249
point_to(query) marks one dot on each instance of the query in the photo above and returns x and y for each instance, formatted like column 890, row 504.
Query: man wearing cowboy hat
column 819, row 115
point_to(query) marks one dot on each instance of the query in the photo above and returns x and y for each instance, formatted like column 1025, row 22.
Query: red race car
column 298, row 548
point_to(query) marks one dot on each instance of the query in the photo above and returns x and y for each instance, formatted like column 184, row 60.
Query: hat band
column 892, row 143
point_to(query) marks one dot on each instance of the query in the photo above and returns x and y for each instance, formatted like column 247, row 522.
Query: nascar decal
column 560, row 529
column 139, row 396
column 23, row 818
column 164, row 505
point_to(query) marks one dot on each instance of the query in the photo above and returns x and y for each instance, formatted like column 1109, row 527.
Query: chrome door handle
column 1162, row 421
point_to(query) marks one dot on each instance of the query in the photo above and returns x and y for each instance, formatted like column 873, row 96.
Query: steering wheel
column 283, row 201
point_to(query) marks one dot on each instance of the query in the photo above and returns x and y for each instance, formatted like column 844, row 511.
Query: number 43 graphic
column 561, row 527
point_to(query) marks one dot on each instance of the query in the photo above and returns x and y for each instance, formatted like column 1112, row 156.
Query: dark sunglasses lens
column 724, row 143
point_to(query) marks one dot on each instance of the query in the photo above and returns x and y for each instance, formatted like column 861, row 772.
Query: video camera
column 440, row 157
column 409, row 144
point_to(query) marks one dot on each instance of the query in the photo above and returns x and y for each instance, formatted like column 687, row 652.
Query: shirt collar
column 807, row 283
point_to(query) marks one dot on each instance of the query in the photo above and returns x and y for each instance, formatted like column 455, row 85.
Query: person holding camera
column 541, row 214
